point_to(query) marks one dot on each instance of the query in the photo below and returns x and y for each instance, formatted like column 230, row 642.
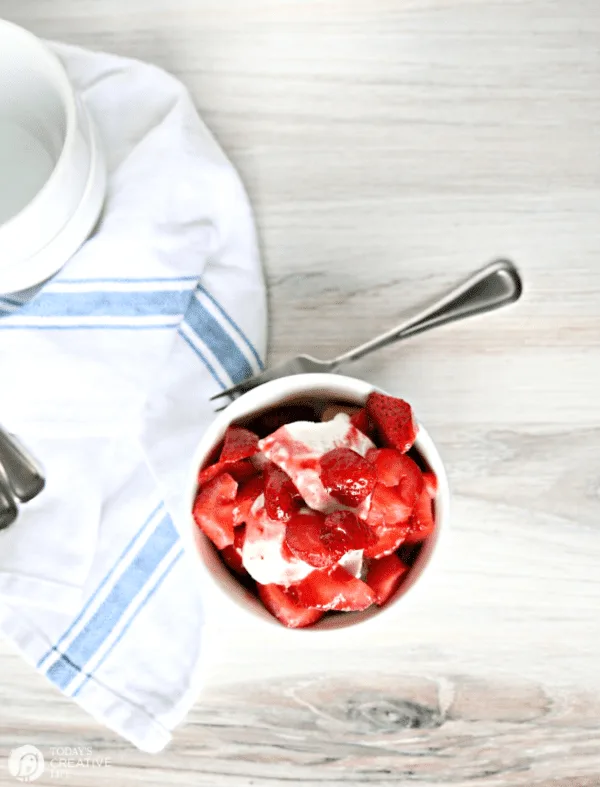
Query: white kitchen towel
column 106, row 374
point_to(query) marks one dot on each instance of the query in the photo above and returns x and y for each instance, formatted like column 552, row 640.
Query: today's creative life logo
column 26, row 763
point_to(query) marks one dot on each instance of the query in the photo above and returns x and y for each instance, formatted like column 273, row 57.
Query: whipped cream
column 297, row 447
column 262, row 553
column 353, row 562
column 264, row 558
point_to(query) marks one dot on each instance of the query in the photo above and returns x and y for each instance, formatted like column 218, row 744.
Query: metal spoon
column 495, row 285
column 22, row 472
column 8, row 506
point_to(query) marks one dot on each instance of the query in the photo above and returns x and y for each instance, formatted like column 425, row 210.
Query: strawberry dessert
column 319, row 509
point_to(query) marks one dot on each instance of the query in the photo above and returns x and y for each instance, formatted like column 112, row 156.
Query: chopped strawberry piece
column 271, row 421
column 286, row 552
column 241, row 471
column 239, row 444
column 393, row 467
column 245, row 498
column 213, row 509
column 399, row 471
column 347, row 476
column 389, row 517
column 421, row 523
column 283, row 605
column 388, row 541
column 232, row 554
column 304, row 537
column 321, row 540
column 360, row 420
column 388, row 507
column 431, row 484
column 282, row 499
column 334, row 589
column 210, row 472
column 344, row 532
column 385, row 576
column 394, row 420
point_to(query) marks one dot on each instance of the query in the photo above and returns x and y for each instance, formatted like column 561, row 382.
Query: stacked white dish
column 52, row 171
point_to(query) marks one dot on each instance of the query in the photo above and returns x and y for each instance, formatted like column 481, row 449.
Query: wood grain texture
column 388, row 148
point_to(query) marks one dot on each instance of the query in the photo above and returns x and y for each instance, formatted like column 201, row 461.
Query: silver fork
column 492, row 286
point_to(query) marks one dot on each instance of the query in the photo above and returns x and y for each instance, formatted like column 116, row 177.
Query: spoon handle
column 8, row 507
column 495, row 285
column 22, row 471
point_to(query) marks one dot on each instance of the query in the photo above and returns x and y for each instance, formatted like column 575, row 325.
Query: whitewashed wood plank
column 389, row 148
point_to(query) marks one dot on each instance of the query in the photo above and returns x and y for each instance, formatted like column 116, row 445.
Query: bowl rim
column 51, row 257
column 61, row 81
column 226, row 593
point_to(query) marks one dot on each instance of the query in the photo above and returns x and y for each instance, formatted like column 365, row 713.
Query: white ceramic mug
column 52, row 173
column 226, row 599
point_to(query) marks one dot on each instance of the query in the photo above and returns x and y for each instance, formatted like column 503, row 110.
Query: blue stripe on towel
column 234, row 325
column 112, row 609
column 102, row 585
column 213, row 372
column 118, row 280
column 216, row 338
column 82, row 326
column 107, row 304
column 125, row 628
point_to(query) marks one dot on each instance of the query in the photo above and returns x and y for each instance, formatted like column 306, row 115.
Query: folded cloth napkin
column 106, row 374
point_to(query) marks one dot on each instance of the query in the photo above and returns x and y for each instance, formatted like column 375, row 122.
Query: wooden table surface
column 388, row 148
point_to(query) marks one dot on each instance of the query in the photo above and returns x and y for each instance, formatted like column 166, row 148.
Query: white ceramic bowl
column 226, row 598
column 52, row 172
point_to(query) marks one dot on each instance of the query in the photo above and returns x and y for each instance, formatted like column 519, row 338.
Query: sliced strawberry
column 431, row 484
column 422, row 523
column 240, row 471
column 393, row 467
column 388, row 507
column 385, row 576
column 232, row 554
column 360, row 420
column 245, row 498
column 239, row 444
column 282, row 499
column 343, row 532
column 399, row 471
column 347, row 476
column 321, row 540
column 389, row 517
column 394, row 420
column 286, row 552
column 304, row 539
column 210, row 472
column 213, row 509
column 284, row 606
column 388, row 541
column 334, row 589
